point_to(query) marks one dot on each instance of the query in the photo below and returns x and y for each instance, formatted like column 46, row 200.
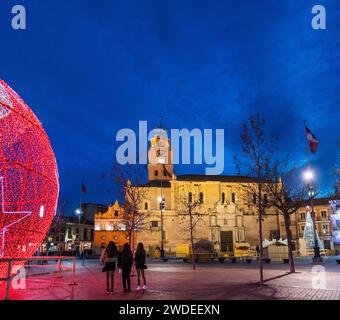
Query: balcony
column 322, row 218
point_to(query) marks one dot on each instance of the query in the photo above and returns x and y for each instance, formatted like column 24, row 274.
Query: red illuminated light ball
column 28, row 179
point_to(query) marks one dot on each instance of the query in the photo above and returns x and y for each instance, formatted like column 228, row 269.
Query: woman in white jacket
column 109, row 259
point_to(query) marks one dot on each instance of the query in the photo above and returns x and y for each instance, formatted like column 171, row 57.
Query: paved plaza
column 176, row 280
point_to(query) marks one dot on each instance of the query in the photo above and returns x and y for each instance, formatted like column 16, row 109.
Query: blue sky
column 88, row 68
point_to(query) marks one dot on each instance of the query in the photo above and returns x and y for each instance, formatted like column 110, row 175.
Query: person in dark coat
column 125, row 263
column 140, row 264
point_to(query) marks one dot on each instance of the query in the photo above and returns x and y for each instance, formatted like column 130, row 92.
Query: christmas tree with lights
column 308, row 233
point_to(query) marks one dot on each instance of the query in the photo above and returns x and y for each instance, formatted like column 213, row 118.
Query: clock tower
column 160, row 165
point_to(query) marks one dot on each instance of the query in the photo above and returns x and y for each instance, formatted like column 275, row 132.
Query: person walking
column 140, row 265
column 109, row 259
column 125, row 263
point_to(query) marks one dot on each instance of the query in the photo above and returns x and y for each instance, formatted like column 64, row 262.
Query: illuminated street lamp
column 309, row 176
column 79, row 212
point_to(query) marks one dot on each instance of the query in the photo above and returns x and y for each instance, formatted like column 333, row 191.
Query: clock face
column 28, row 179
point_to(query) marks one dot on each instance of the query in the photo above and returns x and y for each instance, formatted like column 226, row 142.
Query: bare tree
column 287, row 196
column 189, row 206
column 130, row 182
column 255, row 162
column 336, row 175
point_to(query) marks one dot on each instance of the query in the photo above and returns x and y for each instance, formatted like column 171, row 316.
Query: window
column 274, row 234
column 254, row 198
column 223, row 198
column 325, row 228
column 240, row 235
column 165, row 173
column 327, row 244
column 102, row 245
column 265, row 199
column 146, row 206
column 156, row 173
column 324, row 214
column 201, row 197
column 190, row 197
column 116, row 213
column 154, row 224
column 233, row 197
column 303, row 215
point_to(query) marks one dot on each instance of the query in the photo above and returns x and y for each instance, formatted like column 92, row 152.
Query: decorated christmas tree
column 308, row 233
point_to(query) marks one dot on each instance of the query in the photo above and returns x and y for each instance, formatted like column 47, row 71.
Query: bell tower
column 160, row 166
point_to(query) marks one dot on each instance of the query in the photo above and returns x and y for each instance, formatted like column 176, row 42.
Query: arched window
column 146, row 206
column 223, row 198
column 233, row 197
column 156, row 173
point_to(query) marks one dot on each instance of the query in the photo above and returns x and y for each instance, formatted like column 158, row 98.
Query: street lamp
column 79, row 212
column 309, row 176
column 161, row 201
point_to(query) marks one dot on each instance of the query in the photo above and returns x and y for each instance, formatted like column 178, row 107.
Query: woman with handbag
column 140, row 264
column 109, row 259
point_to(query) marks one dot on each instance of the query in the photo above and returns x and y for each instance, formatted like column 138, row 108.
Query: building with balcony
column 323, row 212
column 109, row 226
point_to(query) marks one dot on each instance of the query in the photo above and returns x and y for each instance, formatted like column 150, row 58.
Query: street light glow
column 77, row 211
column 308, row 175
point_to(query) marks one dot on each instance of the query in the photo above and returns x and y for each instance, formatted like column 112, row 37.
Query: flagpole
column 311, row 193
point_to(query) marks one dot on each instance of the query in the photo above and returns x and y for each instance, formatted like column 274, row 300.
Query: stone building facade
column 224, row 216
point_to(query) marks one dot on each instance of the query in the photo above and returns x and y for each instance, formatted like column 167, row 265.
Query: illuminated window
column 325, row 228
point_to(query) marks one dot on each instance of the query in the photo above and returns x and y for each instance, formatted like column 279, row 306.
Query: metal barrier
column 59, row 266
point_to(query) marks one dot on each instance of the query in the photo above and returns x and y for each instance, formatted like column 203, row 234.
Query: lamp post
column 311, row 194
column 162, row 206
column 79, row 212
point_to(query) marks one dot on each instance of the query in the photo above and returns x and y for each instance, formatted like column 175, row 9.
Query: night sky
column 88, row 68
